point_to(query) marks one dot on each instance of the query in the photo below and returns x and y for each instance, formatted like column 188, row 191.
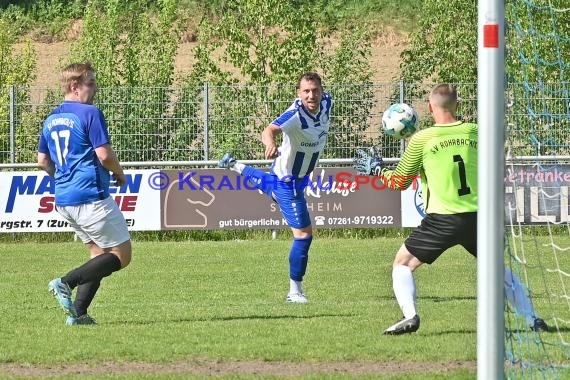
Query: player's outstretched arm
column 409, row 166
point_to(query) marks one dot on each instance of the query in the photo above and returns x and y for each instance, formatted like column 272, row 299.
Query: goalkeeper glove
column 368, row 163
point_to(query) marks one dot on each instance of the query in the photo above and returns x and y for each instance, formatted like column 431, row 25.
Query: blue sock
column 299, row 257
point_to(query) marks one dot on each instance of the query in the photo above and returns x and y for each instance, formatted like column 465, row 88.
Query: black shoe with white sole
column 405, row 326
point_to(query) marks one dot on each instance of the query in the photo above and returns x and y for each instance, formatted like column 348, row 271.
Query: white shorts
column 100, row 222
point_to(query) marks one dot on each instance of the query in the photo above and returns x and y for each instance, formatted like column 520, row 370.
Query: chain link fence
column 200, row 123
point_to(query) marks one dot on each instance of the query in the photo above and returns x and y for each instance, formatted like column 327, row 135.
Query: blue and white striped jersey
column 304, row 138
column 69, row 136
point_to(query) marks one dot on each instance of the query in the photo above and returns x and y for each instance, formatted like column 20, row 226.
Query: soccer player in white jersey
column 75, row 149
column 305, row 125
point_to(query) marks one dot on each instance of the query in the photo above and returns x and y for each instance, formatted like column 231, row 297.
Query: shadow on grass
column 229, row 318
column 461, row 331
column 551, row 329
column 436, row 298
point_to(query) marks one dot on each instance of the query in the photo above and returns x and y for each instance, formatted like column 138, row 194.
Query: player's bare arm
column 109, row 160
column 268, row 139
column 45, row 162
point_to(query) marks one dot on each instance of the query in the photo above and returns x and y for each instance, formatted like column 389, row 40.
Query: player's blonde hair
column 74, row 74
column 444, row 96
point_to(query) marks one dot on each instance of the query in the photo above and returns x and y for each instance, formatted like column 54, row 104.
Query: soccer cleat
column 84, row 319
column 296, row 298
column 227, row 161
column 539, row 325
column 62, row 294
column 405, row 326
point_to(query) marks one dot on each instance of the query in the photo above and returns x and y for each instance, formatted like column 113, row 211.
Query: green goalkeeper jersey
column 445, row 156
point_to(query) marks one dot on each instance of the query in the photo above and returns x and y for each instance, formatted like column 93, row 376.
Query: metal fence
column 200, row 123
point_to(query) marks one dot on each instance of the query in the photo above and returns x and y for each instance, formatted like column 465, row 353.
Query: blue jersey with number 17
column 304, row 138
column 69, row 136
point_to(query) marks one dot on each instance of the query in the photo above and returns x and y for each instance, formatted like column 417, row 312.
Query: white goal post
column 490, row 223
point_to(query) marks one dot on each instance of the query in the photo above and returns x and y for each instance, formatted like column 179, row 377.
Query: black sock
column 93, row 270
column 85, row 294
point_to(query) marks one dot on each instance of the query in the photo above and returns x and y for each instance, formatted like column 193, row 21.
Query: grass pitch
column 193, row 309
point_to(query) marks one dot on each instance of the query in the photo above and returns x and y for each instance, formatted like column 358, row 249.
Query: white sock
column 238, row 167
column 295, row 286
column 404, row 289
column 518, row 297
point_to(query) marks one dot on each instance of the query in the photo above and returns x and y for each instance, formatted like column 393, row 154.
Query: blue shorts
column 290, row 196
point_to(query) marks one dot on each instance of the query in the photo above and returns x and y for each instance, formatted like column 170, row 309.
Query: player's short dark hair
column 445, row 96
column 445, row 89
column 309, row 76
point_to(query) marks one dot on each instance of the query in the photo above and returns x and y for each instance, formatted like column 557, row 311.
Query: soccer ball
column 400, row 121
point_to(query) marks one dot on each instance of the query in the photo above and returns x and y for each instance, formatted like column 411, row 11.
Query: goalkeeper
column 445, row 156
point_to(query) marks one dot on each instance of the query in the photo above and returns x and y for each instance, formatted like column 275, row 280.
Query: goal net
column 537, row 182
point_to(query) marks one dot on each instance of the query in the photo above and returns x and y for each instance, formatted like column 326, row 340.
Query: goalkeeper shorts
column 438, row 232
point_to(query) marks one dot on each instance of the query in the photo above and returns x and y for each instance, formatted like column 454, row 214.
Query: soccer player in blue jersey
column 305, row 125
column 75, row 149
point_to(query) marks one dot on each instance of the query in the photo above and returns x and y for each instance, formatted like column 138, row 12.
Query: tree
column 444, row 49
column 16, row 69
column 537, row 69
column 444, row 46
column 261, row 47
column 133, row 52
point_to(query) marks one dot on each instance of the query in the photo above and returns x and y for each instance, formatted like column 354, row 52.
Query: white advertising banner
column 412, row 205
column 27, row 202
